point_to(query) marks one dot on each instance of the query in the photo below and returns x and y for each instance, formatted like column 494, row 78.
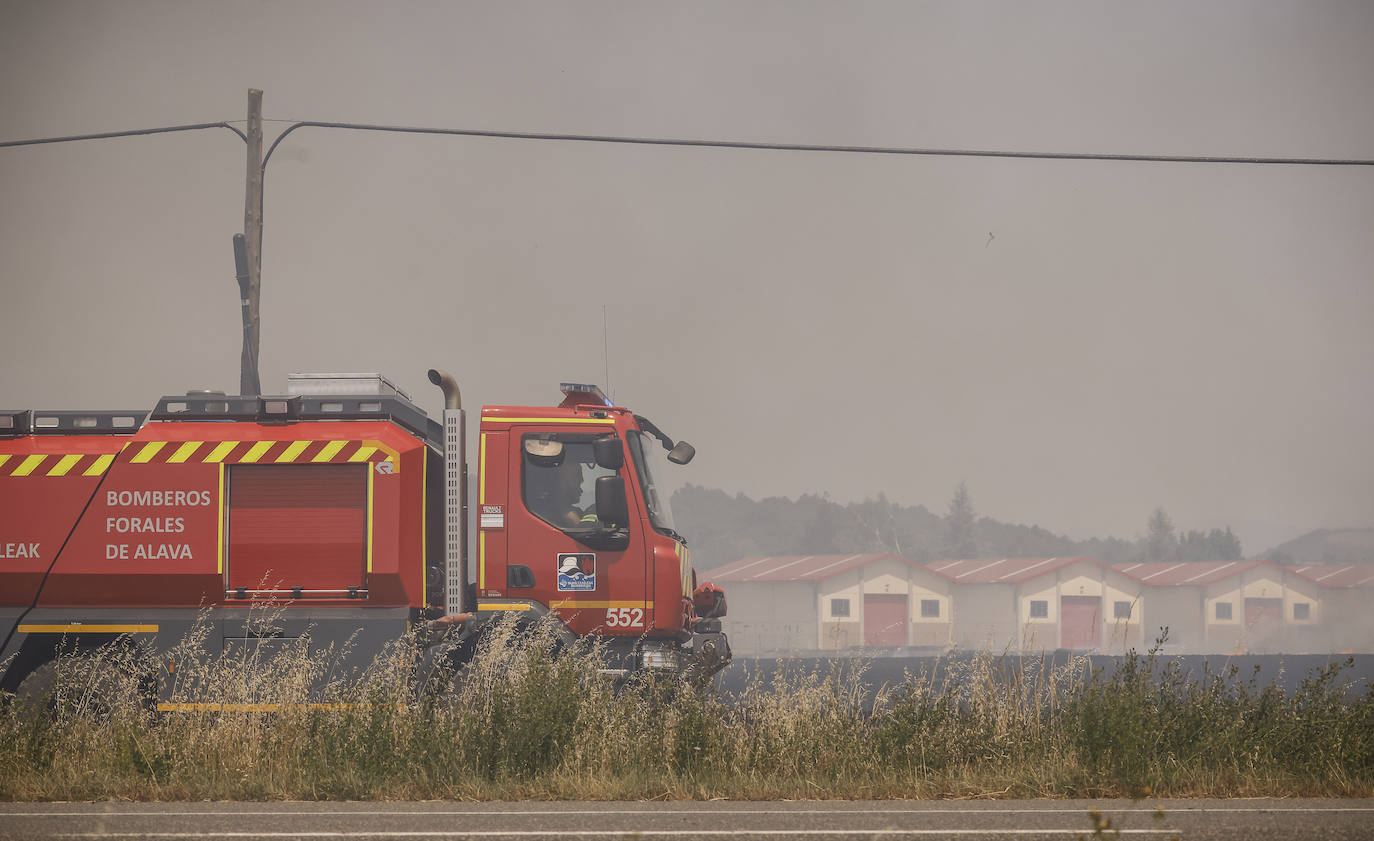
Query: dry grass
column 527, row 722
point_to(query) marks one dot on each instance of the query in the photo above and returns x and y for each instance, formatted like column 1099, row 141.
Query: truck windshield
column 642, row 450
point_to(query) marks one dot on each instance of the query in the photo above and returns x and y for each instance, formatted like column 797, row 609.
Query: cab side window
column 559, row 474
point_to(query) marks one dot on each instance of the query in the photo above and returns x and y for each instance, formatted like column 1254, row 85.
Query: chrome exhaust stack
column 455, row 495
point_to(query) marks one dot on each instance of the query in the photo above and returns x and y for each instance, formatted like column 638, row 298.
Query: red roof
column 797, row 567
column 1014, row 570
column 1338, row 575
column 1189, row 573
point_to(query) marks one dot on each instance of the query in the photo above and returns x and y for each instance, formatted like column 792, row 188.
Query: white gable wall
column 768, row 616
column 885, row 577
column 1086, row 580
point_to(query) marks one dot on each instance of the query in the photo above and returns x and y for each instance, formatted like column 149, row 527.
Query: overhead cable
column 721, row 144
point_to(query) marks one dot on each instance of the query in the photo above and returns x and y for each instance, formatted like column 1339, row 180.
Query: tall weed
column 533, row 716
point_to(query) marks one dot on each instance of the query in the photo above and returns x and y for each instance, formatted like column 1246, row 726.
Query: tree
column 1226, row 544
column 959, row 522
column 877, row 518
column 1160, row 543
column 823, row 532
column 1214, row 545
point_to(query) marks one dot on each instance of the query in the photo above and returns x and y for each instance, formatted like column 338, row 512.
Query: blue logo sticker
column 576, row 571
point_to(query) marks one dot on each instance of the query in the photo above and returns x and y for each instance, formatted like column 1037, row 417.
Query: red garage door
column 1263, row 622
column 1080, row 622
column 297, row 525
column 884, row 620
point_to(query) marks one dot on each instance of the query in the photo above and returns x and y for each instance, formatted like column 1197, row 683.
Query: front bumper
column 707, row 654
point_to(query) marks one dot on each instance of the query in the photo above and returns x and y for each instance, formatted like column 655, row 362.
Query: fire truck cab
column 572, row 520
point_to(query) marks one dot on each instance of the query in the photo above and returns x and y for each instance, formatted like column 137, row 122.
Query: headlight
column 658, row 657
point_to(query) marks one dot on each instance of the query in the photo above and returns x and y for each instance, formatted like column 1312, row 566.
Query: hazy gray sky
column 1080, row 342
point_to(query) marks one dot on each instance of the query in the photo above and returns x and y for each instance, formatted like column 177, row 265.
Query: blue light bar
column 583, row 393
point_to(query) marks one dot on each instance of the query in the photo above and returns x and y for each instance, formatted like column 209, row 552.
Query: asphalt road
column 1024, row 820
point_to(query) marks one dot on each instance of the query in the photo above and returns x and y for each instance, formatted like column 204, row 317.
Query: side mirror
column 682, row 453
column 611, row 508
column 610, row 453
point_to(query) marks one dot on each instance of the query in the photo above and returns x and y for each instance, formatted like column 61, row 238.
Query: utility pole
column 252, row 235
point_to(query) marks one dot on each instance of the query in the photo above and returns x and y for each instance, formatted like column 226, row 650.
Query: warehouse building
column 884, row 603
column 1040, row 604
column 834, row 602
column 1347, row 623
column 1215, row 607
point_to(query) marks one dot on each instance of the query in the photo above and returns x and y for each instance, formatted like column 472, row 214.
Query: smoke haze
column 1078, row 341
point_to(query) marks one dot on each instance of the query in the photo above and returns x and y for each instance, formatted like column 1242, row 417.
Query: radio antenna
column 605, row 354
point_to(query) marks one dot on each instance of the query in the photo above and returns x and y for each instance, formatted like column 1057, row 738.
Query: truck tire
column 97, row 696
column 35, row 691
column 443, row 669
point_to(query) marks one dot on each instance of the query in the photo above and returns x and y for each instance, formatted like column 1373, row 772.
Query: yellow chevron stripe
column 149, row 450
column 391, row 455
column 257, row 450
column 4, row 457
column 66, row 463
column 363, row 454
column 184, row 452
column 330, row 450
column 101, row 465
column 28, row 465
column 221, row 450
column 295, row 449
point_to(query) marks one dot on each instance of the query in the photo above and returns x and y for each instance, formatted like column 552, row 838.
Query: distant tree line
column 724, row 528
column 1161, row 543
column 1327, row 546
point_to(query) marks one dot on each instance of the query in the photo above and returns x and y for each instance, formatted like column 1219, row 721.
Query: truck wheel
column 35, row 691
column 87, row 691
column 442, row 672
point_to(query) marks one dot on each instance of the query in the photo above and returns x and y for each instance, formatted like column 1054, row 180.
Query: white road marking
column 792, row 810
column 599, row 833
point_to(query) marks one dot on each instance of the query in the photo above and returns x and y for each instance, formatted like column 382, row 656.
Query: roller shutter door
column 297, row 525
column 1080, row 620
column 1263, row 623
column 884, row 620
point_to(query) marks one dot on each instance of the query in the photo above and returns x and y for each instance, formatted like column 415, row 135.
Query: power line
column 129, row 133
column 718, row 144
column 806, row 147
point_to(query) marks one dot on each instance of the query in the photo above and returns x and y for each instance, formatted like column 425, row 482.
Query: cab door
column 563, row 552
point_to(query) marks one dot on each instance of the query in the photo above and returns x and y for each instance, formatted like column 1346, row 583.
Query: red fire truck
column 345, row 503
